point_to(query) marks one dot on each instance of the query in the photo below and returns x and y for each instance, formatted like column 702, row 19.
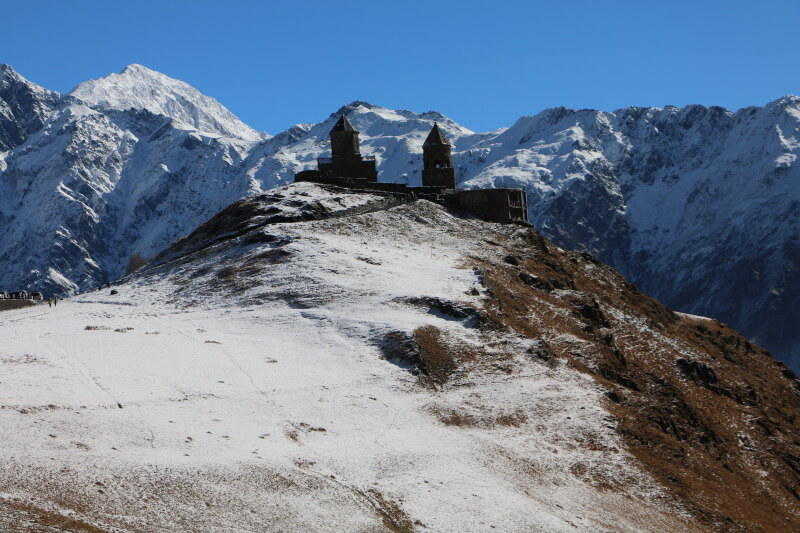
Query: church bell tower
column 345, row 160
column 344, row 139
column 437, row 161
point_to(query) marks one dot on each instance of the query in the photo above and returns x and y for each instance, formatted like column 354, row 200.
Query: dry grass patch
column 464, row 419
column 439, row 360
column 395, row 519
column 28, row 517
column 428, row 353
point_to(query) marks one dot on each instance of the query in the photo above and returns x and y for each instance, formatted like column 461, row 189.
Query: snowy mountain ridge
column 696, row 205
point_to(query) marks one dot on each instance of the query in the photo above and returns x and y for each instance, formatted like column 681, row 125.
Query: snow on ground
column 174, row 405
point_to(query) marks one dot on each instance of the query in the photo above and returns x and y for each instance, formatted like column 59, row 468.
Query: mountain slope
column 697, row 206
column 293, row 365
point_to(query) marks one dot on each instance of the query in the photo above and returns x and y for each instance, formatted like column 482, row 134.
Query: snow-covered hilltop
column 293, row 365
column 697, row 205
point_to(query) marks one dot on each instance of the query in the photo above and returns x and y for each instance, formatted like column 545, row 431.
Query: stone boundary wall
column 494, row 205
column 8, row 305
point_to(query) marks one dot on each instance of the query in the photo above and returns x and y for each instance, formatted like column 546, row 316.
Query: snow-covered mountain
column 697, row 206
column 138, row 87
column 292, row 365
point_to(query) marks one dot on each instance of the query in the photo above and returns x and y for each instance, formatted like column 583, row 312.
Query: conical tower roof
column 343, row 125
column 436, row 137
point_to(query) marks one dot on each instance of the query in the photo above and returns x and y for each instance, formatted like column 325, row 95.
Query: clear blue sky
column 276, row 63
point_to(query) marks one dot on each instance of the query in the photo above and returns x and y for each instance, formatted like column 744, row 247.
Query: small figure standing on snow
column 49, row 302
column 55, row 301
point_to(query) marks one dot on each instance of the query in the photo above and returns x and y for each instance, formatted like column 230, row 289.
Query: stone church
column 348, row 168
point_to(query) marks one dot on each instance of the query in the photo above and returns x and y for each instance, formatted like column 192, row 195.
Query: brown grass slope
column 713, row 417
column 19, row 517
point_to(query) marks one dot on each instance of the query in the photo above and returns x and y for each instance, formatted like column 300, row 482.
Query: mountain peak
column 7, row 73
column 6, row 70
column 352, row 106
column 23, row 107
column 135, row 68
column 139, row 87
column 789, row 100
column 361, row 103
